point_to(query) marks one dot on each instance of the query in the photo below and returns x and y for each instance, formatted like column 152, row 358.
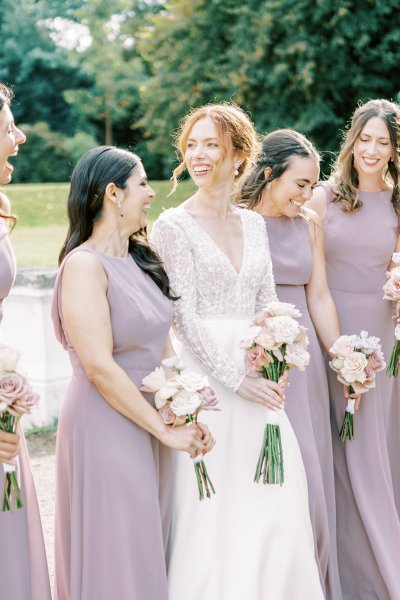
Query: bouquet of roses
column 392, row 292
column 357, row 359
column 276, row 343
column 180, row 395
column 16, row 399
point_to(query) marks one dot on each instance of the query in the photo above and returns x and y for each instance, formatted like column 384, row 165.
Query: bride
column 249, row 540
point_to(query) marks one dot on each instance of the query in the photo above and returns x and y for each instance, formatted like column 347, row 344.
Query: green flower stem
column 203, row 479
column 347, row 430
column 393, row 366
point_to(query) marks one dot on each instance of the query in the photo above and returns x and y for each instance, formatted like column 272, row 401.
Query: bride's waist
column 225, row 316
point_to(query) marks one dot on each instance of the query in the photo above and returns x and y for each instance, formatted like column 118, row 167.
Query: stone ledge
column 36, row 277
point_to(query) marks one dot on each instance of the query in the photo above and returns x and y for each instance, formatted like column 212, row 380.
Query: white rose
column 353, row 369
column 343, row 346
column 185, row 403
column 281, row 309
column 174, row 362
column 397, row 331
column 396, row 258
column 154, row 381
column 337, row 364
column 9, row 358
column 191, row 381
column 302, row 339
column 297, row 356
column 248, row 340
column 284, row 329
column 165, row 393
column 266, row 339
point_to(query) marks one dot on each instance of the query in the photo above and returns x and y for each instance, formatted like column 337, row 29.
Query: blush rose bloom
column 185, row 403
column 256, row 358
column 191, row 381
column 392, row 286
column 9, row 358
column 209, row 399
column 353, row 369
column 12, row 387
column 266, row 339
column 376, row 362
column 24, row 405
column 343, row 346
column 297, row 356
column 284, row 329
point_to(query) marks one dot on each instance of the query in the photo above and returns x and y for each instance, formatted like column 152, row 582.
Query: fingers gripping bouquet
column 357, row 359
column 16, row 399
column 180, row 395
column 276, row 343
column 392, row 292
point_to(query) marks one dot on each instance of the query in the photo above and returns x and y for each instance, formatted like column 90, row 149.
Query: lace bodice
column 208, row 285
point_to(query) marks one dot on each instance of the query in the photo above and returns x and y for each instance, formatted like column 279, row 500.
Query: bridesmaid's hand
column 208, row 439
column 187, row 438
column 263, row 391
column 357, row 397
column 9, row 446
column 396, row 316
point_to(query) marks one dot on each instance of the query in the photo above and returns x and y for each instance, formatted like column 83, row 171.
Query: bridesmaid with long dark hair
column 112, row 312
column 360, row 208
column 280, row 182
column 23, row 565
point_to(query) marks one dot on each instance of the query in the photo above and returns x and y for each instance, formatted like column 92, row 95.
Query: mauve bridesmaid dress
column 358, row 249
column 307, row 398
column 23, row 564
column 113, row 478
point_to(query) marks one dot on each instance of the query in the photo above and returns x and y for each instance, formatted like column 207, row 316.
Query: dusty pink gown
column 113, row 478
column 23, row 565
column 358, row 249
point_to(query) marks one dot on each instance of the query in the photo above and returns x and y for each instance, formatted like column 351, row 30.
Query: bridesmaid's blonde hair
column 231, row 122
column 344, row 177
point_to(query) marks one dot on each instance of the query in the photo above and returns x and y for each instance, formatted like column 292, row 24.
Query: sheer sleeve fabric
column 174, row 249
column 267, row 291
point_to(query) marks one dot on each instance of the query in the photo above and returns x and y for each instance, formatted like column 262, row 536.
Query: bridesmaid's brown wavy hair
column 6, row 96
column 344, row 177
column 231, row 122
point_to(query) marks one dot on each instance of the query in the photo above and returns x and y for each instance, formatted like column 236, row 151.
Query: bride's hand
column 264, row 391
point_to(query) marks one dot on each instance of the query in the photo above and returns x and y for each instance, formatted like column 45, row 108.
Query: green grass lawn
column 42, row 217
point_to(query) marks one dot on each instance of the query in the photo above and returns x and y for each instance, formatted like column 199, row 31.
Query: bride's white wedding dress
column 249, row 541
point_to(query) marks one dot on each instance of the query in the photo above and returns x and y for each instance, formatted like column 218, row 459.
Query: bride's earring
column 236, row 171
column 119, row 204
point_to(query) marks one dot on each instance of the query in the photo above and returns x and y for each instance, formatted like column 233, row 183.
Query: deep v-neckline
column 217, row 246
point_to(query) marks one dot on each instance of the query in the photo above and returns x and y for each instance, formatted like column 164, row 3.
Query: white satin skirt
column 249, row 540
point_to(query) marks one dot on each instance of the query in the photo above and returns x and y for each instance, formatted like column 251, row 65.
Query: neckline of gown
column 209, row 237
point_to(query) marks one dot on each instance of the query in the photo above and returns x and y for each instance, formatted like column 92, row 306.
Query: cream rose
column 154, row 381
column 297, row 356
column 343, row 346
column 9, row 358
column 191, row 381
column 165, row 393
column 248, row 340
column 266, row 339
column 281, row 309
column 392, row 286
column 354, row 366
column 284, row 329
column 185, row 403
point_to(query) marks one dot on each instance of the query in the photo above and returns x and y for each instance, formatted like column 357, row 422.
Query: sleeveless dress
column 248, row 540
column 358, row 248
column 113, row 478
column 307, row 398
column 23, row 564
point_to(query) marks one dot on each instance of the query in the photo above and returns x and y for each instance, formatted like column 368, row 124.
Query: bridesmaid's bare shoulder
column 5, row 205
column 83, row 266
column 318, row 202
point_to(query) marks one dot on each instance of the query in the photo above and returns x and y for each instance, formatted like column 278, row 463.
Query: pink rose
column 167, row 415
column 392, row 286
column 12, row 387
column 256, row 358
column 209, row 398
column 24, row 405
column 376, row 362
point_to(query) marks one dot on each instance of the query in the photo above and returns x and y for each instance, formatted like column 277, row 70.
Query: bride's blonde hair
column 5, row 98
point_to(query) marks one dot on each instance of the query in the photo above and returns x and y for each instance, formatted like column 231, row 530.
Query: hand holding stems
column 266, row 392
column 396, row 316
column 9, row 446
column 347, row 394
column 194, row 438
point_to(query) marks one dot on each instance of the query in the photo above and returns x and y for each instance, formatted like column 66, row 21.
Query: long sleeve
column 267, row 291
column 173, row 247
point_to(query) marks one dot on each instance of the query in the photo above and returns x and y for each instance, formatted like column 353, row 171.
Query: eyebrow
column 206, row 139
column 381, row 137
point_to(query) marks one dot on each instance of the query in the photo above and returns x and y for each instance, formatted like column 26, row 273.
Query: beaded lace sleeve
column 267, row 291
column 174, row 249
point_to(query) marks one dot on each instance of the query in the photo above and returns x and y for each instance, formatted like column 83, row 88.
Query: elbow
column 97, row 372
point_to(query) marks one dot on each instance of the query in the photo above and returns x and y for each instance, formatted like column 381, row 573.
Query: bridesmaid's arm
column 319, row 300
column 86, row 316
column 9, row 446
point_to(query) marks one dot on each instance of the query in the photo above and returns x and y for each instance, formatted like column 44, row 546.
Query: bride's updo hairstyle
column 278, row 150
column 233, row 127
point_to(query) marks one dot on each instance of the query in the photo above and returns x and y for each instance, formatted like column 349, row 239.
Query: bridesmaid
column 281, row 181
column 112, row 312
column 23, row 565
column 360, row 208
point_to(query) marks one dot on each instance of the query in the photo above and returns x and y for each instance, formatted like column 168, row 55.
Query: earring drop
column 119, row 204
column 269, row 185
column 236, row 171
